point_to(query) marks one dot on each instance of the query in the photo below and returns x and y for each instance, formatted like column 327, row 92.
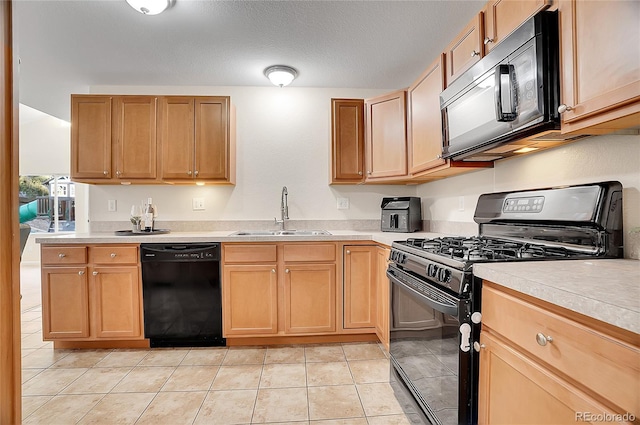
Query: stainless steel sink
column 281, row 233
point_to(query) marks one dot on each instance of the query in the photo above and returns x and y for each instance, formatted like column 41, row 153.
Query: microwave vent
column 557, row 136
column 482, row 158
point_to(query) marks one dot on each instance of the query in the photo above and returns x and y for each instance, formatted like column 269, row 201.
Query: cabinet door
column 382, row 296
column 425, row 119
column 600, row 69
column 212, row 155
column 386, row 136
column 310, row 298
column 502, row 17
column 347, row 140
column 250, row 299
column 359, row 287
column 513, row 389
column 465, row 50
column 65, row 303
column 91, row 137
column 116, row 300
column 176, row 137
column 135, row 137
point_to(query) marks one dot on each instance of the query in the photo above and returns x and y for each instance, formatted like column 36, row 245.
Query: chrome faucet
column 284, row 209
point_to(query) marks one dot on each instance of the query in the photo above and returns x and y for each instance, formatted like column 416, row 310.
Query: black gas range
column 435, row 299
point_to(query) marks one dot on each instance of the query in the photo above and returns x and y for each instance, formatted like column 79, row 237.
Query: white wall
column 283, row 139
column 44, row 143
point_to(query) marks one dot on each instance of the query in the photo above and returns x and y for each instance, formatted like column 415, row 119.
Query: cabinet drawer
column 607, row 366
column 53, row 255
column 257, row 253
column 309, row 252
column 113, row 254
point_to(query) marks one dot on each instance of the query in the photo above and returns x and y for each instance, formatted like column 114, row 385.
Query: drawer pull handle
column 542, row 340
column 113, row 255
column 286, row 270
column 81, row 272
column 273, row 270
column 95, row 273
column 61, row 255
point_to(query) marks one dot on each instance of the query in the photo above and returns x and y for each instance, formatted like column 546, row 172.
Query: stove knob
column 432, row 270
column 444, row 275
column 404, row 258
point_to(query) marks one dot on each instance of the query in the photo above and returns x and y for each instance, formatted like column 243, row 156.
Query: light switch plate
column 112, row 205
column 198, row 204
column 343, row 203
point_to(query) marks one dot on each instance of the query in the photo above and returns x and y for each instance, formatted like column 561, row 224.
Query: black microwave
column 510, row 94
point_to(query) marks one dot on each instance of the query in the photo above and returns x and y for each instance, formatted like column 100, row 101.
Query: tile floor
column 346, row 384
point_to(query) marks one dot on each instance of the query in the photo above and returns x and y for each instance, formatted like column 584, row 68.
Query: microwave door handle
column 394, row 221
column 505, row 93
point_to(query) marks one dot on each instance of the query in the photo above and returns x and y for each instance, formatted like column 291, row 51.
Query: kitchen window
column 47, row 203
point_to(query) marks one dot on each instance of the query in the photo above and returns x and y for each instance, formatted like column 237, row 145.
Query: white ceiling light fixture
column 281, row 75
column 150, row 7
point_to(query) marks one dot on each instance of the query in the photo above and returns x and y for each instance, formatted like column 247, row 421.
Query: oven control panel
column 529, row 204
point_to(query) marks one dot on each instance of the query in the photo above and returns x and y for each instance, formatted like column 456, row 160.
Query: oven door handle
column 434, row 304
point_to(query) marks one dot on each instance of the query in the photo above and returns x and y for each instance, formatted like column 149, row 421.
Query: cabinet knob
column 542, row 339
column 95, row 273
column 81, row 272
column 195, row 173
column 564, row 108
column 286, row 270
column 348, row 252
column 118, row 173
column 439, row 157
column 113, row 255
column 369, row 172
column 273, row 270
column 359, row 173
column 475, row 53
column 189, row 173
column 105, row 172
column 477, row 346
column 61, row 255
column 488, row 40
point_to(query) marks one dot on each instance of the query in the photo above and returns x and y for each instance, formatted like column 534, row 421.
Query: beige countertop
column 607, row 290
column 385, row 238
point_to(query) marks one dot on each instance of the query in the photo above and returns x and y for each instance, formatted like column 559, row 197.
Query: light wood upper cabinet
column 600, row 69
column 91, row 137
column 466, row 49
column 386, row 136
column 359, row 286
column 425, row 119
column 135, row 137
column 347, row 141
column 548, row 356
column 196, row 138
column 502, row 17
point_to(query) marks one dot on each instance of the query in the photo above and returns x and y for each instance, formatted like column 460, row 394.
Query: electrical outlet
column 198, row 204
column 343, row 203
column 112, row 205
column 460, row 203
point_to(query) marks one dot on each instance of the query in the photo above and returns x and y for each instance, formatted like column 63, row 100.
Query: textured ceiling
column 67, row 46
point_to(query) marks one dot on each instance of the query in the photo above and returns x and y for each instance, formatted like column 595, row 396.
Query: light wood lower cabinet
column 310, row 298
column 250, row 299
column 382, row 295
column 359, row 287
column 546, row 365
column 99, row 299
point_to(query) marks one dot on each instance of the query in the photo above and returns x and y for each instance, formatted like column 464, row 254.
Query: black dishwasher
column 182, row 295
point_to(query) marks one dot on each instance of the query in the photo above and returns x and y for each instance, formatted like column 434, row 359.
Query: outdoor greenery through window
column 47, row 203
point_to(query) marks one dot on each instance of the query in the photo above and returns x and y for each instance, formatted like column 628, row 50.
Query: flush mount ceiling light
column 150, row 7
column 280, row 75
